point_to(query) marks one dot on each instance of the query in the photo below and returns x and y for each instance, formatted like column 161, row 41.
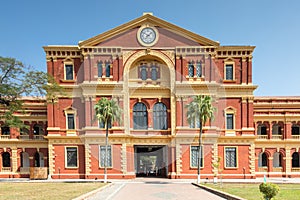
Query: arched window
column 154, row 71
column 6, row 159
column 107, row 69
column 143, row 72
column 276, row 129
column 295, row 160
column 277, row 159
column 24, row 131
column 25, row 160
column 160, row 117
column 261, row 129
column 199, row 69
column 191, row 69
column 295, row 129
column 38, row 129
column 263, row 160
column 39, row 159
column 140, row 116
column 100, row 69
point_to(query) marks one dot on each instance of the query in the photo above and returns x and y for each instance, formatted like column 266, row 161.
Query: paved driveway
column 153, row 189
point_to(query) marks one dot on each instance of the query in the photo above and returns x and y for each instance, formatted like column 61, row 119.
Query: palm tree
column 107, row 112
column 199, row 110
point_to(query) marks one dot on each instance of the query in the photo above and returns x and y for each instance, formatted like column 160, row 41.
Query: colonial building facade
column 153, row 69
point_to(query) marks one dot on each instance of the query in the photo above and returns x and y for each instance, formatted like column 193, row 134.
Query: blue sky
column 272, row 26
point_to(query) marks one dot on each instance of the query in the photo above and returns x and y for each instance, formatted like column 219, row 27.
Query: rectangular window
column 229, row 72
column 100, row 69
column 229, row 122
column 102, row 156
column 230, row 157
column 69, row 72
column 5, row 130
column 71, row 121
column 194, row 156
column 71, row 157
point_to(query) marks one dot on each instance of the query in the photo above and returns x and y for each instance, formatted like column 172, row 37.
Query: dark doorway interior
column 150, row 161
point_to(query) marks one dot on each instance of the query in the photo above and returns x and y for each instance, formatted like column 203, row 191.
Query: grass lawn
column 57, row 191
column 251, row 191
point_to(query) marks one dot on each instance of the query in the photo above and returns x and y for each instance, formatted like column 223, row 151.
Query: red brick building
column 153, row 68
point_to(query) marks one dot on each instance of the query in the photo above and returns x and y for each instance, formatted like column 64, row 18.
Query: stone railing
column 276, row 137
column 4, row 137
column 6, row 169
column 296, row 169
column 263, row 169
column 277, row 169
column 296, row 137
column 262, row 137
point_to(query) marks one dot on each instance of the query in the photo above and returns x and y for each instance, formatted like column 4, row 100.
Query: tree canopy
column 18, row 80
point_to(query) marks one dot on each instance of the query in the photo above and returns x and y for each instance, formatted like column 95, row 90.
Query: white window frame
column 230, row 110
column 66, row 158
column 69, row 62
column 111, row 156
column 233, row 70
column 236, row 157
column 73, row 111
column 202, row 158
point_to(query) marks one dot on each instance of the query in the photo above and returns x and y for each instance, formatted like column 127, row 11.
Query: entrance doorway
column 151, row 161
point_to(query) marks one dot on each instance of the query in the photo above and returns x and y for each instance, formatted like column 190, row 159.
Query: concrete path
column 153, row 189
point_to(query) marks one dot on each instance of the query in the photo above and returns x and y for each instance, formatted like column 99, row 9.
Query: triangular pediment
column 147, row 19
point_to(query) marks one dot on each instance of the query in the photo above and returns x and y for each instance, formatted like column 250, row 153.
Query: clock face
column 148, row 35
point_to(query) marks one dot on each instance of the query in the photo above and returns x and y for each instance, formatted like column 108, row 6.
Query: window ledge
column 229, row 81
column 67, row 81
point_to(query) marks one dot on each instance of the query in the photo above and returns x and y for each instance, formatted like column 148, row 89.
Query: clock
column 147, row 36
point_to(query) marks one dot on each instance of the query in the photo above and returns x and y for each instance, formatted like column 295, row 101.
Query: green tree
column 269, row 190
column 107, row 112
column 199, row 110
column 18, row 80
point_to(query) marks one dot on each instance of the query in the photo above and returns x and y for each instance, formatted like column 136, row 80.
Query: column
column 179, row 113
column 244, row 70
column 51, row 158
column 206, row 68
column 250, row 112
column 270, row 129
column 288, row 161
column 270, row 164
column 178, row 69
column 130, row 159
column 288, row 130
column 87, row 111
column 87, row 155
column 124, row 158
column 86, row 67
column 249, row 80
column 244, row 111
column 172, row 161
column 14, row 153
column 173, row 113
